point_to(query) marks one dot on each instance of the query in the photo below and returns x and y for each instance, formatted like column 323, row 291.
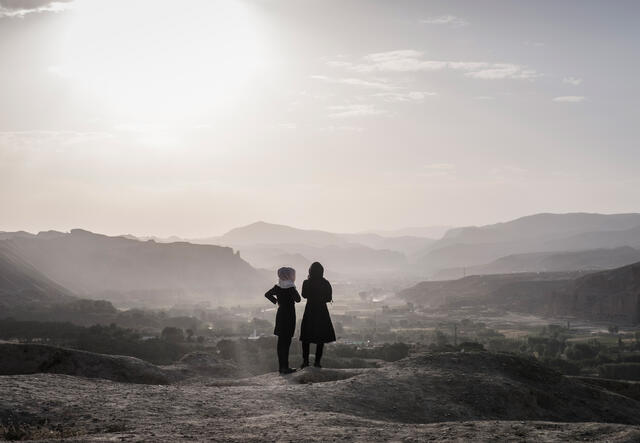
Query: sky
column 156, row 117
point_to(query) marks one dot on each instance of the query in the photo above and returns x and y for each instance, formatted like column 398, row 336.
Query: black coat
column 316, row 322
column 286, row 300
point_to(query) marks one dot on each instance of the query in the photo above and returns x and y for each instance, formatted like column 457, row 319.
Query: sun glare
column 152, row 61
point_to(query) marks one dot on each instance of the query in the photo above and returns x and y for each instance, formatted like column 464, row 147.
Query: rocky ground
column 428, row 397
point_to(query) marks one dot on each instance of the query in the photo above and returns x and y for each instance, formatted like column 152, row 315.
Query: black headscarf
column 316, row 271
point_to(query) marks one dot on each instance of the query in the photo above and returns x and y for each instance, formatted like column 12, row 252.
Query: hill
column 270, row 246
column 543, row 226
column 35, row 358
column 22, row 285
column 474, row 246
column 600, row 239
column 611, row 296
column 523, row 292
column 269, row 234
column 130, row 272
column 565, row 261
column 434, row 232
column 608, row 295
column 434, row 396
column 406, row 244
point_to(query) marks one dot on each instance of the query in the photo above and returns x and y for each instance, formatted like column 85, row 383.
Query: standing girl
column 316, row 322
column 285, row 295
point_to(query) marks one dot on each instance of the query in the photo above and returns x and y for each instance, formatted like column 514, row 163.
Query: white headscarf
column 287, row 277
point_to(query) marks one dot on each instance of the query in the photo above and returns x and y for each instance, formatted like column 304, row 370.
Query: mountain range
column 549, row 233
column 564, row 261
column 134, row 273
column 130, row 271
column 536, row 243
column 267, row 245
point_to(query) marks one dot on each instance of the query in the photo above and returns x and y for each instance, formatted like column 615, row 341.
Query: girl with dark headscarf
column 285, row 295
column 316, row 322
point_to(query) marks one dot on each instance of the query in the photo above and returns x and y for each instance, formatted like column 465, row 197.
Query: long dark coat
column 316, row 322
column 286, row 300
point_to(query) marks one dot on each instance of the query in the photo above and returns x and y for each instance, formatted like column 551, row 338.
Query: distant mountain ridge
column 474, row 246
column 545, row 225
column 537, row 243
column 131, row 272
column 551, row 261
column 269, row 233
column 268, row 245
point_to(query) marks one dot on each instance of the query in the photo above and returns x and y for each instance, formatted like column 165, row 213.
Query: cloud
column 360, row 110
column 20, row 8
column 404, row 60
column 575, row 81
column 496, row 71
column 411, row 96
column 357, row 82
column 450, row 20
column 570, row 99
column 409, row 60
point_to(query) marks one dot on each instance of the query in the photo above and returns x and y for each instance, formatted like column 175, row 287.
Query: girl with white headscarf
column 285, row 295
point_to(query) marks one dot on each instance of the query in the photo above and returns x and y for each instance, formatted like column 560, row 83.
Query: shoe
column 317, row 365
column 304, row 364
column 287, row 371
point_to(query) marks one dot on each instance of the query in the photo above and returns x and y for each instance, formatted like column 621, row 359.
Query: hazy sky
column 190, row 118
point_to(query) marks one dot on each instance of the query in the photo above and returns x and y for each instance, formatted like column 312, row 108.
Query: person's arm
column 296, row 296
column 270, row 294
column 304, row 295
column 329, row 293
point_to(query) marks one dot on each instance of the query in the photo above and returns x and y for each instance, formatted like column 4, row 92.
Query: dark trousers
column 305, row 351
column 283, row 351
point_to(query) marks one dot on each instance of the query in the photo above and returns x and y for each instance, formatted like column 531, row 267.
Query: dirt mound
column 472, row 386
column 32, row 359
column 203, row 364
column 314, row 375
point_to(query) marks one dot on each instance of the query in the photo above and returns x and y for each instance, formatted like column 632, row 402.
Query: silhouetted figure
column 285, row 295
column 316, row 322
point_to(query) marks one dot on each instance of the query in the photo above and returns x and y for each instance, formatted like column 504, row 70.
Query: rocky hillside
column 612, row 296
column 23, row 285
column 131, row 272
column 608, row 295
column 441, row 396
column 523, row 292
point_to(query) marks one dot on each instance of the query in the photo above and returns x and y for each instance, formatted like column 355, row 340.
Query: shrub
column 172, row 334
